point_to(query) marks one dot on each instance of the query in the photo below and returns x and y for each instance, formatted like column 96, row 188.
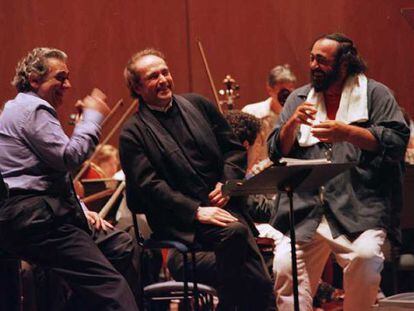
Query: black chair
column 12, row 292
column 203, row 295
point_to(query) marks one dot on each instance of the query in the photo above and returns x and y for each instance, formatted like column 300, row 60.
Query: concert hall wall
column 241, row 38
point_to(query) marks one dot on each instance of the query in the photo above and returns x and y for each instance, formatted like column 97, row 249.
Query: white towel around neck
column 353, row 107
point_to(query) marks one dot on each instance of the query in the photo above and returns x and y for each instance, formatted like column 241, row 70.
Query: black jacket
column 161, row 182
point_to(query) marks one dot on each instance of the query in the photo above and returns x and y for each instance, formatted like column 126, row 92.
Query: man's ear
column 344, row 68
column 34, row 81
column 137, row 88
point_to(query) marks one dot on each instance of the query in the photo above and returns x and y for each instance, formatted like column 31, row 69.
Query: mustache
column 165, row 87
column 314, row 71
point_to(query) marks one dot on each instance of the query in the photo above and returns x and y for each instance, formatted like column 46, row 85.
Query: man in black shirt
column 176, row 152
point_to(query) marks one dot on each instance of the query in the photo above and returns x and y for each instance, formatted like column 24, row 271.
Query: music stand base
column 295, row 283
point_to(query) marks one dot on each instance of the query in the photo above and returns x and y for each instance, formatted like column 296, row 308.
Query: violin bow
column 210, row 79
column 113, row 110
column 110, row 203
column 107, row 138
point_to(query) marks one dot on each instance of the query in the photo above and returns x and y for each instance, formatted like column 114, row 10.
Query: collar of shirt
column 161, row 109
column 44, row 101
column 31, row 96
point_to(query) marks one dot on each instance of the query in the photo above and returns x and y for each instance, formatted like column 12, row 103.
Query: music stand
column 289, row 179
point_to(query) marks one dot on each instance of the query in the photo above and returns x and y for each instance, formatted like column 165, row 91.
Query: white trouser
column 361, row 261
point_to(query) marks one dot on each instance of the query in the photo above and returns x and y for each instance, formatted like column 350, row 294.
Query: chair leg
column 186, row 295
column 20, row 284
column 195, row 281
column 141, row 249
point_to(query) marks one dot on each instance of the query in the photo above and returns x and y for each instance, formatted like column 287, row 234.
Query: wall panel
column 99, row 37
column 243, row 38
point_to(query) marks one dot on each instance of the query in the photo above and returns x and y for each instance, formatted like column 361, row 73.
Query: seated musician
column 248, row 128
column 176, row 152
column 42, row 220
column 280, row 83
column 358, row 120
column 100, row 173
column 104, row 164
column 107, row 159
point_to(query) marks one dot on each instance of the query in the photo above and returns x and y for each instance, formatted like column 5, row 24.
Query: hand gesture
column 304, row 114
column 212, row 215
column 331, row 131
column 216, row 196
column 96, row 101
column 99, row 223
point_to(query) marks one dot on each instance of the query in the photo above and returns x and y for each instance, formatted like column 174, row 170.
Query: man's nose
column 162, row 79
column 313, row 64
column 66, row 84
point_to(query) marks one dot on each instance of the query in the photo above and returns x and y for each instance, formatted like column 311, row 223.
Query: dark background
column 243, row 38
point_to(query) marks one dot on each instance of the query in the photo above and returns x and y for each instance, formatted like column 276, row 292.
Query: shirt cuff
column 93, row 115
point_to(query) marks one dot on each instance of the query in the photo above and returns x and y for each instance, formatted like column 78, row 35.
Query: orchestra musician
column 107, row 159
column 280, row 83
column 355, row 119
column 105, row 163
column 42, row 221
column 176, row 152
column 101, row 170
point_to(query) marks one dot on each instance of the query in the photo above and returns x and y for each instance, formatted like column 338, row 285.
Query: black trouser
column 242, row 277
column 205, row 266
column 35, row 229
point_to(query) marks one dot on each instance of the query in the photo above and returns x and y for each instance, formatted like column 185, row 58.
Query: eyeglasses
column 321, row 60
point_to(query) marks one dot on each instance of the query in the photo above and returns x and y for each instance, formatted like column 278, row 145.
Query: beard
column 322, row 80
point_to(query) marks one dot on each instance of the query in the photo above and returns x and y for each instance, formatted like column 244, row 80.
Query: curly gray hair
column 34, row 63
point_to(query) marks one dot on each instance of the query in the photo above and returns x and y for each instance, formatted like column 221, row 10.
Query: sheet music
column 294, row 161
column 301, row 177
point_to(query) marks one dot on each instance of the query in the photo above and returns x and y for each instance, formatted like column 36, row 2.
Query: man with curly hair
column 245, row 126
column 42, row 220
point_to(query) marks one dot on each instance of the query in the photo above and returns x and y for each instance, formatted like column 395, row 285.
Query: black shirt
column 174, row 123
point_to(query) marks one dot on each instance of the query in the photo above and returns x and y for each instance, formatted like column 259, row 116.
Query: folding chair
column 203, row 295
